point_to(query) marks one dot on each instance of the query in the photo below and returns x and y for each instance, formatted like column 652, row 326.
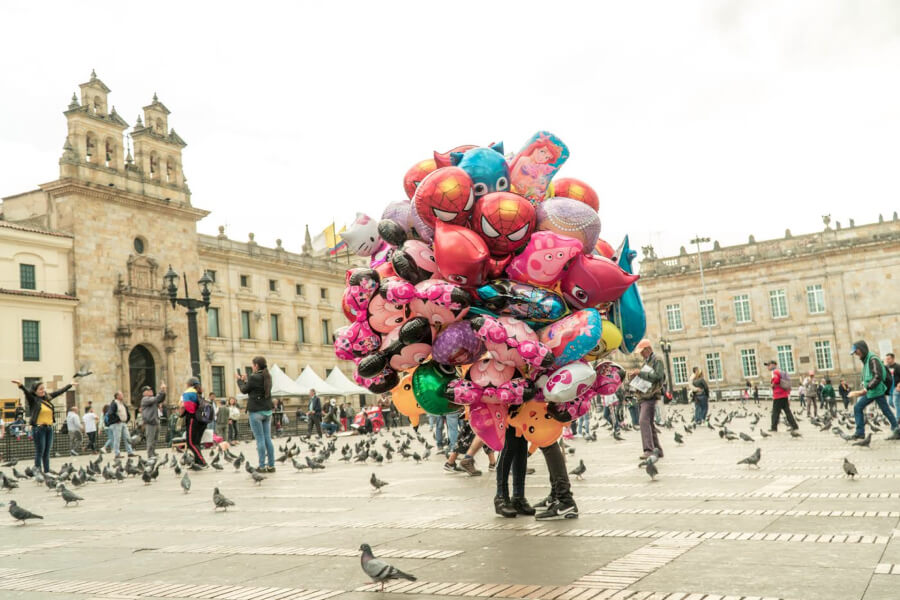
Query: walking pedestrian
column 90, row 428
column 844, row 391
column 41, row 417
column 73, row 424
column 756, row 394
column 258, row 388
column 701, row 395
column 648, row 383
column 115, row 418
column 278, row 416
column 893, row 382
column 781, row 391
column 314, row 414
column 812, row 395
column 745, row 394
column 190, row 402
column 222, row 419
column 828, row 398
column 234, row 414
column 874, row 384
column 150, row 415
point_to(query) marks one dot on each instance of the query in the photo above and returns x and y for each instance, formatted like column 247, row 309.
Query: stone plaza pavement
column 706, row 529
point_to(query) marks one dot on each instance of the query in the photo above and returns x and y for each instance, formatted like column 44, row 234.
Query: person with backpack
column 192, row 407
column 258, row 387
column 115, row 418
column 39, row 404
column 781, row 391
column 874, row 381
column 700, row 392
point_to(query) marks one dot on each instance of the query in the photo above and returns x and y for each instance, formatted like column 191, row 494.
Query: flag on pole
column 329, row 241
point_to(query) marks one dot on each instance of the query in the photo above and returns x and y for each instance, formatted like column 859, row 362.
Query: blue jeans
column 43, row 441
column 452, row 420
column 893, row 397
column 261, row 426
column 635, row 413
column 330, row 428
column 584, row 421
column 701, row 407
column 860, row 406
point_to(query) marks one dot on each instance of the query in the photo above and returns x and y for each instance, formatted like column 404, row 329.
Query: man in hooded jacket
column 874, row 378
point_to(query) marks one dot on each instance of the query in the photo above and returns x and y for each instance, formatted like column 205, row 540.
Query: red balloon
column 444, row 195
column 604, row 249
column 504, row 220
column 461, row 255
column 569, row 187
column 589, row 281
column 416, row 174
column 443, row 159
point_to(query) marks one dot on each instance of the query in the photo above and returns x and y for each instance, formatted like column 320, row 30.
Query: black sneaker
column 450, row 468
column 522, row 507
column 503, row 508
column 270, row 469
column 559, row 510
column 545, row 503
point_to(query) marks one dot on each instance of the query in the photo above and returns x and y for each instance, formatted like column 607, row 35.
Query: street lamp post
column 666, row 347
column 702, row 240
column 191, row 304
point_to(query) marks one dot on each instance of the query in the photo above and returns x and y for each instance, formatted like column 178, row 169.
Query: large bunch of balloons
column 490, row 288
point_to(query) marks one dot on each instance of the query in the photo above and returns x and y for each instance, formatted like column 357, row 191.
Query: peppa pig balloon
column 544, row 258
column 566, row 216
column 589, row 281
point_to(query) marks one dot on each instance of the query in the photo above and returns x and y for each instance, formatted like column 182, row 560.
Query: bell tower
column 95, row 131
column 157, row 150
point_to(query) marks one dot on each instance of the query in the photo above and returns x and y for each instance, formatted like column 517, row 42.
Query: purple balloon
column 570, row 217
column 400, row 212
column 457, row 345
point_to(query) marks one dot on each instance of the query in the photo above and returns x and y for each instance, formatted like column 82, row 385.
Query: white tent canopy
column 337, row 379
column 309, row 380
column 282, row 385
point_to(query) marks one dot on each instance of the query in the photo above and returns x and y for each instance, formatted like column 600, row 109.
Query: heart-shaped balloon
column 488, row 421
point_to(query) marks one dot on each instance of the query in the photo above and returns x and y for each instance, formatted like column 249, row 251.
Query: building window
column 326, row 332
column 245, row 324
column 742, row 308
column 815, row 299
column 27, row 279
column 273, row 326
column 714, row 366
column 140, row 245
column 778, row 304
column 749, row 365
column 679, row 370
column 673, row 317
column 29, row 382
column 301, row 330
column 786, row 358
column 707, row 312
column 273, row 285
column 218, row 381
column 299, row 289
column 245, row 281
column 31, row 340
column 212, row 322
column 323, row 293
column 211, row 274
column 823, row 355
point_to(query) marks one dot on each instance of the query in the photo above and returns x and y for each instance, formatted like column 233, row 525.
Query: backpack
column 784, row 381
column 206, row 413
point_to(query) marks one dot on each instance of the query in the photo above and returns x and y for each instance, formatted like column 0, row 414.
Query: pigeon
column 7, row 483
column 678, row 438
column 378, row 570
column 763, row 433
column 850, row 469
column 186, row 483
column 651, row 469
column 257, row 478
column 864, row 442
column 146, row 477
column 20, row 514
column 753, row 459
column 221, row 501
column 377, row 483
column 746, row 437
column 10, row 463
column 298, row 465
column 579, row 470
column 70, row 496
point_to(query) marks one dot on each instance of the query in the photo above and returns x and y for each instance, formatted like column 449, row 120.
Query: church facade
column 112, row 223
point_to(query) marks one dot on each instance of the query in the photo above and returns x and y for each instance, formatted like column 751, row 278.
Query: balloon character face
column 416, row 174
column 414, row 262
column 568, row 382
column 511, row 342
column 405, row 400
column 457, row 345
column 571, row 218
column 362, row 236
column 487, row 168
column 490, row 381
column 461, row 255
column 532, row 421
column 573, row 337
column 504, row 221
column 404, row 348
column 444, row 195
column 569, row 187
column 609, row 341
column 536, row 164
column 441, row 303
column 522, row 301
column 488, row 421
column 592, row 280
column 544, row 259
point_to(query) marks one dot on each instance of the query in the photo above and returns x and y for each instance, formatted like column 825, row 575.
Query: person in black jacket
column 258, row 388
column 39, row 408
column 314, row 414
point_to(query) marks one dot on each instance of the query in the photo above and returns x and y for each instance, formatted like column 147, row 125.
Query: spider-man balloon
column 444, row 195
column 504, row 221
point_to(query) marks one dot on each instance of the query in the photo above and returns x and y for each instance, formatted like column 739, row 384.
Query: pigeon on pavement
column 378, row 570
column 257, row 478
column 746, row 437
column 186, row 483
column 579, row 470
column 753, row 459
column 377, row 483
column 850, row 469
column 678, row 438
column 70, row 496
column 221, row 501
column 20, row 514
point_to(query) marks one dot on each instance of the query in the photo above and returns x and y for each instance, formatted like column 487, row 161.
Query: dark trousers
column 514, row 457
column 232, row 430
column 649, row 438
column 194, row 433
column 560, row 488
column 43, row 441
column 92, row 441
column 315, row 420
column 779, row 405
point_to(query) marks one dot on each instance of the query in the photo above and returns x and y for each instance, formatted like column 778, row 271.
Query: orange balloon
column 604, row 248
column 405, row 400
column 569, row 187
column 533, row 422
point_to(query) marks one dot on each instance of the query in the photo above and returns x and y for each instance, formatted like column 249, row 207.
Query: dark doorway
column 142, row 370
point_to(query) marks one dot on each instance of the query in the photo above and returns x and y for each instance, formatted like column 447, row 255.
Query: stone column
column 124, row 374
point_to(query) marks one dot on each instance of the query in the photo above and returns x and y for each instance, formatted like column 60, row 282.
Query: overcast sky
column 724, row 118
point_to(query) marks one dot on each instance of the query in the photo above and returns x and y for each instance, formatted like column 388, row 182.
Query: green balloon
column 429, row 383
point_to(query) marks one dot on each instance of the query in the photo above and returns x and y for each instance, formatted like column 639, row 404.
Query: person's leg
column 648, row 410
column 193, row 437
column 152, row 432
column 561, row 489
column 319, row 425
column 256, row 429
column 881, row 401
column 859, row 417
column 309, row 426
column 635, row 413
column 452, row 429
column 705, row 404
column 72, row 442
column 437, row 423
column 267, row 441
column 48, row 444
column 37, row 437
column 776, row 410
column 126, row 435
column 504, row 464
column 792, row 422
column 519, row 467
column 654, row 435
column 116, row 439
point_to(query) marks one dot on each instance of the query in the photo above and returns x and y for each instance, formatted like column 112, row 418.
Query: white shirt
column 90, row 422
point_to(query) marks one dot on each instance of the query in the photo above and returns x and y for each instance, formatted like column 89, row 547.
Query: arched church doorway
column 142, row 371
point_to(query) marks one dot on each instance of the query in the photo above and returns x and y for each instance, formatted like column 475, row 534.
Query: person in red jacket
column 781, row 391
